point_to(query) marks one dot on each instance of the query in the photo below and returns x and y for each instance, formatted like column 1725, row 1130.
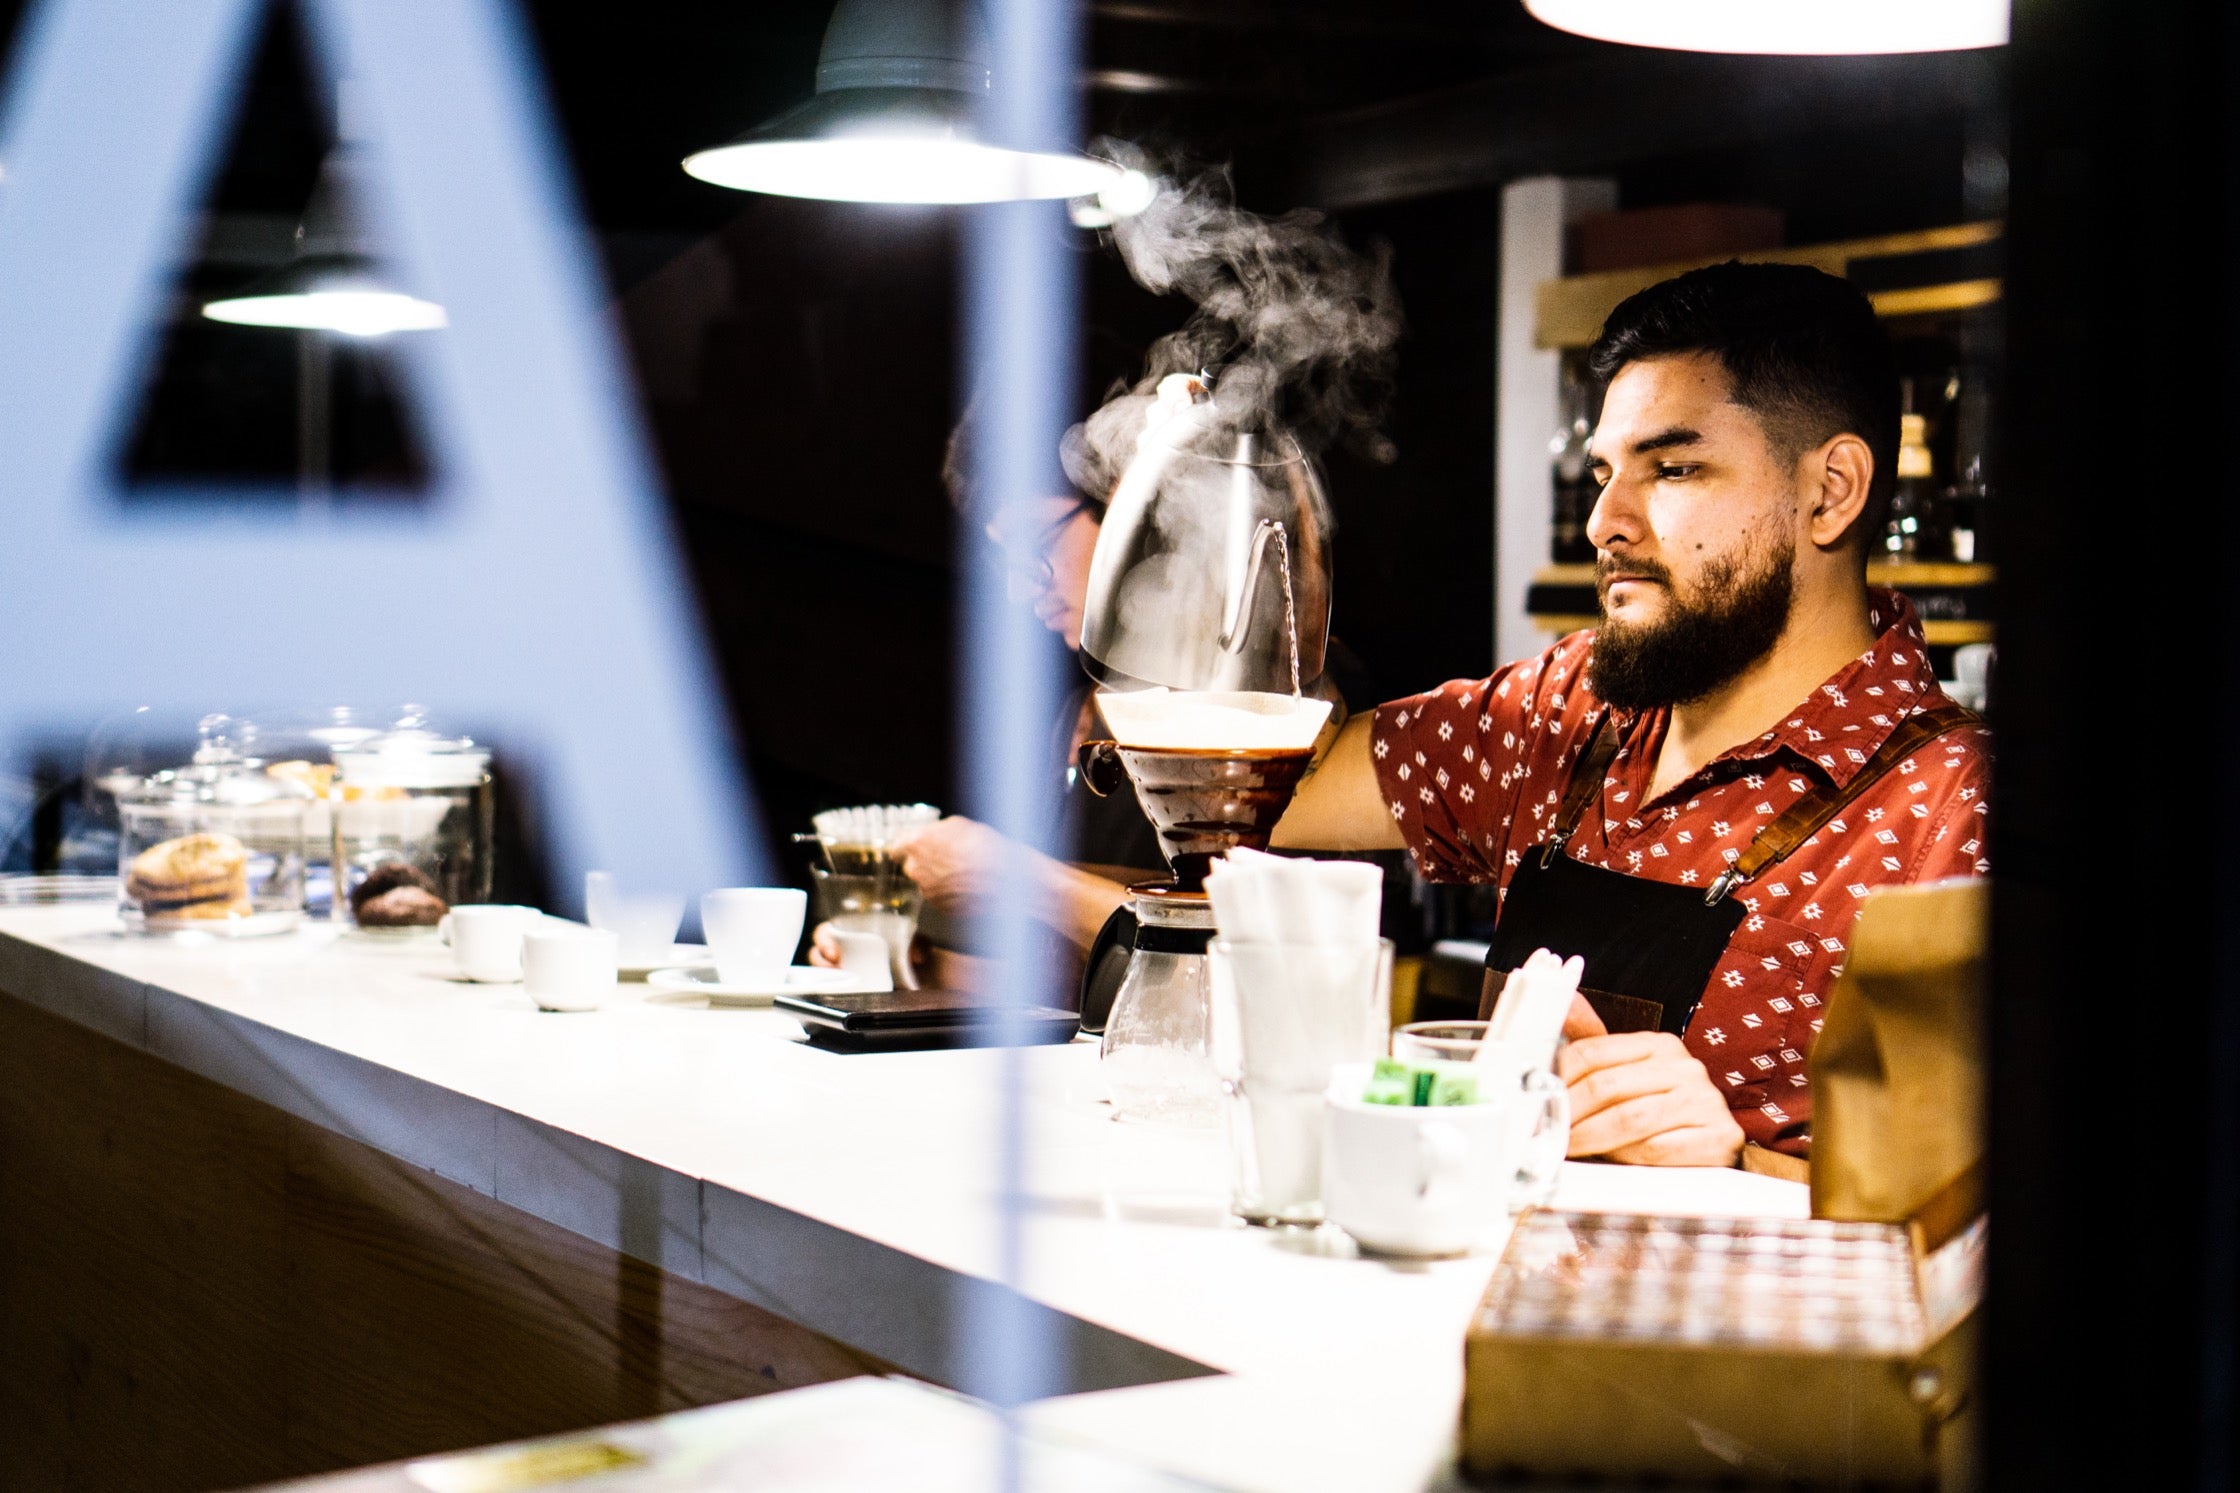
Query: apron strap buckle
column 1726, row 882
column 1552, row 847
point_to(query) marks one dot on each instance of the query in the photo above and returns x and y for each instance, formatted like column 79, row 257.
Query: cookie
column 400, row 907
column 191, row 871
column 203, row 912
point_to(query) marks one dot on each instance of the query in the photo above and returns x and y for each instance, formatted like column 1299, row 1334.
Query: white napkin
column 1272, row 899
column 1534, row 1001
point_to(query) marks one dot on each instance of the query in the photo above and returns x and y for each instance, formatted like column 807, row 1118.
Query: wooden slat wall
column 198, row 1291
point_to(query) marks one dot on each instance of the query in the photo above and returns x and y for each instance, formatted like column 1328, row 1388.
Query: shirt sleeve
column 1452, row 761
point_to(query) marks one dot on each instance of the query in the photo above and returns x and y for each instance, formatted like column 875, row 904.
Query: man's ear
column 1844, row 468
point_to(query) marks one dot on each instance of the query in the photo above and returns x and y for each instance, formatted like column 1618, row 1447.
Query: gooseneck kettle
column 1212, row 568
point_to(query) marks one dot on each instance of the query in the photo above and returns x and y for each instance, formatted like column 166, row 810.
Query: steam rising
column 1297, row 328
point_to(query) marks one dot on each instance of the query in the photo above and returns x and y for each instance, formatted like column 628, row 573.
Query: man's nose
column 1617, row 519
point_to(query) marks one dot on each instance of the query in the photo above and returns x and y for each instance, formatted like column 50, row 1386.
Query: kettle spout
column 1245, row 586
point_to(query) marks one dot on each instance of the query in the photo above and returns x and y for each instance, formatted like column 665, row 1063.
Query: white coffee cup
column 485, row 939
column 752, row 932
column 566, row 968
column 643, row 923
column 1437, row 1180
column 866, row 956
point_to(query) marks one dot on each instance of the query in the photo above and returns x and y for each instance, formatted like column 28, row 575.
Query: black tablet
column 865, row 1012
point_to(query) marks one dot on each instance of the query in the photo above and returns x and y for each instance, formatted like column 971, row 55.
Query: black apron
column 1649, row 946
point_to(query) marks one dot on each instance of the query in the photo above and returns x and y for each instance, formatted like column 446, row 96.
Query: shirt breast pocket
column 1761, row 1010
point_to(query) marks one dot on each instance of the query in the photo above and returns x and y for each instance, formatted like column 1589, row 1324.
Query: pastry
column 208, row 873
column 205, row 912
column 395, row 894
column 316, row 776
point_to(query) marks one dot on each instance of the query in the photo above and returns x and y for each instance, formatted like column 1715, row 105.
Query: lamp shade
column 894, row 119
column 334, row 283
column 1784, row 27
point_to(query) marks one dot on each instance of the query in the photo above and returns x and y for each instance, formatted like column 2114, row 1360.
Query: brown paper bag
column 1898, row 1071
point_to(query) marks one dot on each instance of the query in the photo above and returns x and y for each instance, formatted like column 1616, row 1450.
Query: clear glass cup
column 1439, row 1041
column 1284, row 1016
column 884, row 902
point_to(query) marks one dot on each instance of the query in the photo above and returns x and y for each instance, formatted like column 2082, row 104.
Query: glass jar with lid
column 215, row 847
column 413, row 812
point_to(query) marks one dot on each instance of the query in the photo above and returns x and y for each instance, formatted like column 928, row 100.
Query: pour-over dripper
column 1201, row 802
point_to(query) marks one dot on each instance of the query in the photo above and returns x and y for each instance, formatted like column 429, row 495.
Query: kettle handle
column 1101, row 767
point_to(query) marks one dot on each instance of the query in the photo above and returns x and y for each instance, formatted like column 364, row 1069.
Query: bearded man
column 1695, row 796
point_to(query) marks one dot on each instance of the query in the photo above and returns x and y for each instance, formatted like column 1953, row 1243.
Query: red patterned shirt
column 1474, row 773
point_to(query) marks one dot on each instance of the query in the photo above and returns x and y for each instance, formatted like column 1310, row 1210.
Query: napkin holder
column 1623, row 1346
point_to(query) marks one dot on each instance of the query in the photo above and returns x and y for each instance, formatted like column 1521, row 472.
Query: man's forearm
column 1339, row 805
column 1078, row 902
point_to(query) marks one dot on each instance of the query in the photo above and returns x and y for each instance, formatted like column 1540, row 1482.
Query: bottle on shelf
column 1575, row 486
column 1967, row 500
column 1915, row 529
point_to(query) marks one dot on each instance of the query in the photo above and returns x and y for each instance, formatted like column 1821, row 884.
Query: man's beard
column 1697, row 646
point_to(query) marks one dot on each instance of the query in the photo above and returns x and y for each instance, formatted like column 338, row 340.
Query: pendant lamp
column 900, row 84
column 1784, row 27
column 335, row 282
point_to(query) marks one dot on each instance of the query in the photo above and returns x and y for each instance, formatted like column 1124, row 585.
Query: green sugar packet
column 1390, row 1082
column 1453, row 1083
column 1424, row 1085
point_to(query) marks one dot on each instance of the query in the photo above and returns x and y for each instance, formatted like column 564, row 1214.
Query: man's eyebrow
column 1663, row 440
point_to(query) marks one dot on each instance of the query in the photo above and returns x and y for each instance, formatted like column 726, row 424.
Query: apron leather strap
column 1586, row 782
column 1806, row 817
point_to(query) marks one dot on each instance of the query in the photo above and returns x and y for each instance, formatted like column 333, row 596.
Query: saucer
column 801, row 979
column 680, row 956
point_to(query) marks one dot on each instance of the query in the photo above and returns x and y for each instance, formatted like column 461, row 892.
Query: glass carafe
column 1157, row 1056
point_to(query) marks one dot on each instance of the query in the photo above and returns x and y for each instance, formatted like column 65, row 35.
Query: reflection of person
column 1045, row 545
column 1696, row 795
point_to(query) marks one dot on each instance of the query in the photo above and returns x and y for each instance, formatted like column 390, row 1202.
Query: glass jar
column 1157, row 1058
column 413, row 812
column 216, row 847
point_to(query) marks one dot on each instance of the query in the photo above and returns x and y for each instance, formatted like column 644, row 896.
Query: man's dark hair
column 960, row 477
column 1803, row 350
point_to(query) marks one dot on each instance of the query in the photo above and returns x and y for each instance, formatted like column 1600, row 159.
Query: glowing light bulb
column 872, row 168
column 353, row 313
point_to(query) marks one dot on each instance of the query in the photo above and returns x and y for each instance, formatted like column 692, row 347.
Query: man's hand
column 955, row 861
column 959, row 863
column 1639, row 1097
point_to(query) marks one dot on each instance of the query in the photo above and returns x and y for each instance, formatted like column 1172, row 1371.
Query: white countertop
column 852, row 1194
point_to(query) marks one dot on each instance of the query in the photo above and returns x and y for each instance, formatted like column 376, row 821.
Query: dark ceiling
column 1322, row 102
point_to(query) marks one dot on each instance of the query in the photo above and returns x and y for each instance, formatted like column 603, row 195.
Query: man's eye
column 1675, row 471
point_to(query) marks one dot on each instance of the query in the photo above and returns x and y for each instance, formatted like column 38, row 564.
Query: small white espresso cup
column 752, row 931
column 1435, row 1180
column 565, row 968
column 867, row 957
column 485, row 939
